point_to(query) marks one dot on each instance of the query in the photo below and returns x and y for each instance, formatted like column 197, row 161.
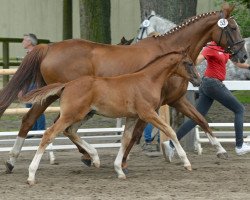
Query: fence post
column 5, row 61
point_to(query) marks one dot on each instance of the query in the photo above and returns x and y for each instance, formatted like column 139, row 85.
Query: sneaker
column 148, row 147
column 243, row 150
column 168, row 151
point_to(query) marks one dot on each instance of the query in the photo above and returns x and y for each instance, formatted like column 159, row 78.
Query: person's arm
column 242, row 65
column 199, row 59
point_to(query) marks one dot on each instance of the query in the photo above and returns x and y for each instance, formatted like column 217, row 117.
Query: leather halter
column 144, row 29
column 230, row 42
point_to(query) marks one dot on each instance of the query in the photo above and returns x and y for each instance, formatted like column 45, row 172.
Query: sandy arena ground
column 149, row 177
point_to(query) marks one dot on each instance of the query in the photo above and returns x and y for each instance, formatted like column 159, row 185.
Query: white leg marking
column 126, row 137
column 91, row 151
column 71, row 133
column 214, row 141
column 34, row 166
column 118, row 164
column 16, row 149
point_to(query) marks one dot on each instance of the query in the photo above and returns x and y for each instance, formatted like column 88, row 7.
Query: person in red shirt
column 212, row 88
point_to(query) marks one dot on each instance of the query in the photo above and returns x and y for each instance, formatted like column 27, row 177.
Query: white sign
column 222, row 23
column 146, row 23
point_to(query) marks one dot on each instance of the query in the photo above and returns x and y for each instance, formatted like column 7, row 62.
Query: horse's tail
column 27, row 73
column 41, row 94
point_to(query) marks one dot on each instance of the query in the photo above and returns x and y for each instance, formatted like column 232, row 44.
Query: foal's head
column 187, row 70
column 124, row 41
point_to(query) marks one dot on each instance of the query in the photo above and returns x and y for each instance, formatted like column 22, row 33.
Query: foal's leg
column 184, row 106
column 137, row 133
column 47, row 138
column 152, row 117
column 88, row 151
column 27, row 122
column 126, row 137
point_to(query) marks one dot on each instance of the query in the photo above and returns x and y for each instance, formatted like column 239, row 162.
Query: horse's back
column 69, row 59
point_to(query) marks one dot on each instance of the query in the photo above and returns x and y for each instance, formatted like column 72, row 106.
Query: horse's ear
column 153, row 12
column 227, row 9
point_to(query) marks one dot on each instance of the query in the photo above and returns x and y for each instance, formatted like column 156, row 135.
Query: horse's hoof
column 86, row 161
column 121, row 176
column 96, row 163
column 189, row 168
column 222, row 155
column 9, row 167
column 54, row 163
column 125, row 170
column 31, row 182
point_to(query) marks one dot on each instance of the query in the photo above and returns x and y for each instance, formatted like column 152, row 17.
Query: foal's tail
column 27, row 73
column 41, row 94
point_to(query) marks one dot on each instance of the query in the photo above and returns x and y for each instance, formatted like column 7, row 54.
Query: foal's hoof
column 121, row 176
column 86, row 161
column 222, row 155
column 9, row 167
column 96, row 163
column 125, row 170
column 189, row 168
column 31, row 183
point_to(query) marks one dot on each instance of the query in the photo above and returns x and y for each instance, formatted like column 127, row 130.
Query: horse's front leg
column 27, row 122
column 152, row 117
column 137, row 133
column 88, row 151
column 126, row 138
column 184, row 106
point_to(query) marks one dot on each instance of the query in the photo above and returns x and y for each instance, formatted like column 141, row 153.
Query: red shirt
column 216, row 62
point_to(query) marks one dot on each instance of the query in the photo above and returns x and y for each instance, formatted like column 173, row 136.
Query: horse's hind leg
column 126, row 137
column 27, row 122
column 88, row 151
column 190, row 111
column 155, row 120
column 47, row 138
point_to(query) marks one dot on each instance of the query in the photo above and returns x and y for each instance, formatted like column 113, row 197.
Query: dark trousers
column 210, row 90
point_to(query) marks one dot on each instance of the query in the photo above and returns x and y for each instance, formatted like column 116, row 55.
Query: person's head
column 29, row 41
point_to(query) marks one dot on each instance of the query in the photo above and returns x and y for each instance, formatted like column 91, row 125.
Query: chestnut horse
column 70, row 59
column 133, row 96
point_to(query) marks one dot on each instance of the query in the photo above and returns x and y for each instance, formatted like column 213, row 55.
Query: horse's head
column 153, row 25
column 187, row 70
column 124, row 41
column 227, row 34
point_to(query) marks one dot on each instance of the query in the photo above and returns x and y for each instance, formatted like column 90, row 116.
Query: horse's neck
column 194, row 34
column 160, row 69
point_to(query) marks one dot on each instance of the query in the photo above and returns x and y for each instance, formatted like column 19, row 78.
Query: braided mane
column 187, row 22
